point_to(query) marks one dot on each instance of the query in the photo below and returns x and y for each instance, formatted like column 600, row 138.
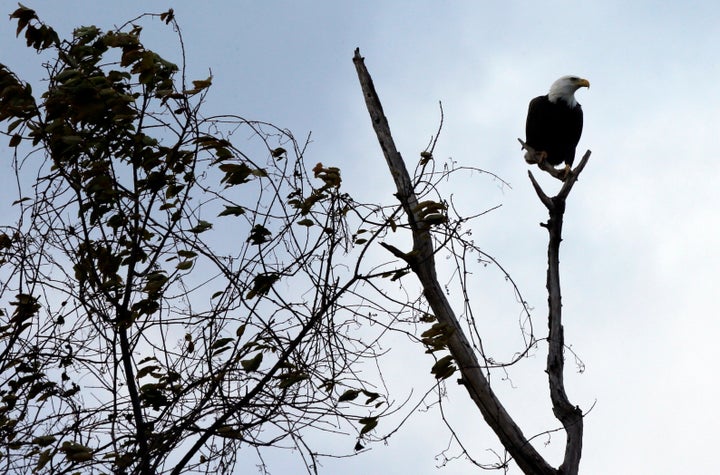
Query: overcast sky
column 640, row 252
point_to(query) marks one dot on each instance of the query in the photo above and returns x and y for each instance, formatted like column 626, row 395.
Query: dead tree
column 570, row 416
column 421, row 259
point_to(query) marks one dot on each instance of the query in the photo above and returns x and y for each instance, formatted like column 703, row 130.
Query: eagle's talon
column 566, row 172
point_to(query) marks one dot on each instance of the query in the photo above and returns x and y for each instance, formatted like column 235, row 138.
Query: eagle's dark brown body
column 554, row 128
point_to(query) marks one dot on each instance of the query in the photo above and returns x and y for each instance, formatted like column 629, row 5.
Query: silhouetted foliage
column 173, row 297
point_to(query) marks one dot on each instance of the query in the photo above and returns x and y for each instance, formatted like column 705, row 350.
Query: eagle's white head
column 565, row 87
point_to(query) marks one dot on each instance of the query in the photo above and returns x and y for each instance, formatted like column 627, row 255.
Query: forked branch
column 570, row 416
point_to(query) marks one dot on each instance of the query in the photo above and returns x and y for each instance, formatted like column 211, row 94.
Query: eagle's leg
column 566, row 171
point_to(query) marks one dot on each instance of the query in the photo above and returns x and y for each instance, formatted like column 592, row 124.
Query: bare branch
column 570, row 416
column 423, row 265
column 541, row 194
column 573, row 176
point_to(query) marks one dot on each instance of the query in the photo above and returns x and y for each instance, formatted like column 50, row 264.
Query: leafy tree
column 169, row 299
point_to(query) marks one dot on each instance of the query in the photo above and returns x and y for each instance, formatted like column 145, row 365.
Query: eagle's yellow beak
column 584, row 82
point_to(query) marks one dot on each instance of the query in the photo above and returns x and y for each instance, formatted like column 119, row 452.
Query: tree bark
column 570, row 416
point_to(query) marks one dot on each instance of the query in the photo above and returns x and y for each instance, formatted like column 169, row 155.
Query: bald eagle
column 554, row 123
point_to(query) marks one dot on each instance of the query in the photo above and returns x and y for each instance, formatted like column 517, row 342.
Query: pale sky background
column 639, row 260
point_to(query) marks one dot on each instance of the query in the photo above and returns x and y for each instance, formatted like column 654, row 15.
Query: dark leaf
column 252, row 364
column 201, row 227
column 43, row 459
column 259, row 234
column 23, row 15
column 444, row 367
column 184, row 265
column 369, row 423
column 262, row 284
column 235, row 173
column 349, row 395
column 287, row 380
column 229, row 432
column 399, row 273
column 76, row 452
column 306, row 222
column 232, row 211
column 168, row 16
column 221, row 342
column 146, row 370
column 371, row 396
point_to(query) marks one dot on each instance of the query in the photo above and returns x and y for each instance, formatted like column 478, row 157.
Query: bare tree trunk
column 570, row 416
column 422, row 261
